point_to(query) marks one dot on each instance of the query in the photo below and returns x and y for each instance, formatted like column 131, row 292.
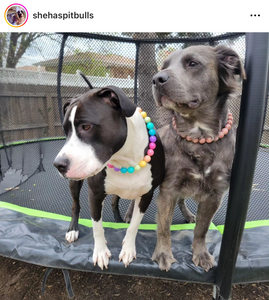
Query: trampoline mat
column 41, row 241
column 41, row 187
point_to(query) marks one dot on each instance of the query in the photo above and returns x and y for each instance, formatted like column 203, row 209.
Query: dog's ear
column 117, row 99
column 65, row 106
column 68, row 103
column 229, row 64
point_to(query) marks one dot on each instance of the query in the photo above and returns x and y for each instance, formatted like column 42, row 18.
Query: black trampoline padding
column 41, row 241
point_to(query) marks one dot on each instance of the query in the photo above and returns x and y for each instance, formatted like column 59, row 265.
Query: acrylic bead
column 202, row 141
column 123, row 170
column 152, row 146
column 150, row 152
column 224, row 130
column 221, row 135
column 137, row 168
column 147, row 158
column 188, row 138
column 152, row 132
column 139, row 109
column 131, row 170
column 147, row 120
column 116, row 169
column 143, row 114
column 110, row 166
column 142, row 164
column 150, row 125
column 153, row 139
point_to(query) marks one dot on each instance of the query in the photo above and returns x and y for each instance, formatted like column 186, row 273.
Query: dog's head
column 95, row 128
column 12, row 18
column 196, row 77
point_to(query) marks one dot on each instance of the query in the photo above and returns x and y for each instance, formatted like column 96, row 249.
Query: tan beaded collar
column 209, row 140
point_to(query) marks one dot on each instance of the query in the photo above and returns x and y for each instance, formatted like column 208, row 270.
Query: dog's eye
column 193, row 63
column 86, row 127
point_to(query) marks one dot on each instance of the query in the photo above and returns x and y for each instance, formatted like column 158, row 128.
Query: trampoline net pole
column 253, row 105
column 59, row 74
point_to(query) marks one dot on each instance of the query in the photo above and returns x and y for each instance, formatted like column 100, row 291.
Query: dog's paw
column 128, row 252
column 203, row 259
column 190, row 218
column 101, row 254
column 72, row 235
column 164, row 259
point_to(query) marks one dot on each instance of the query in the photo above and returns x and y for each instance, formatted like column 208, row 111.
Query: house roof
column 32, row 68
column 106, row 59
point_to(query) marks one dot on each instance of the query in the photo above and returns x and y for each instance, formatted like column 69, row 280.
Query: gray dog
column 195, row 84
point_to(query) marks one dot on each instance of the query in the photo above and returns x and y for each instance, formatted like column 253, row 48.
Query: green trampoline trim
column 33, row 141
column 88, row 222
column 248, row 225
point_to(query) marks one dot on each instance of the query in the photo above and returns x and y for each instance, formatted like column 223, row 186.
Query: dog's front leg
column 73, row 232
column 128, row 251
column 101, row 253
column 166, row 203
column 206, row 210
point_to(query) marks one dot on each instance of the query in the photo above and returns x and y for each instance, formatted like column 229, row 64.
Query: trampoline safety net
column 30, row 114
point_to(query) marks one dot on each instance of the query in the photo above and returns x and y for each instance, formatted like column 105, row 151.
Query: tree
column 3, row 48
column 147, row 67
column 13, row 46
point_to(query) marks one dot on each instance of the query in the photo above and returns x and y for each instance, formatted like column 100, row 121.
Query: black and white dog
column 103, row 127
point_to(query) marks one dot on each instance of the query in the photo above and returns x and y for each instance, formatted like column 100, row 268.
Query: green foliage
column 95, row 68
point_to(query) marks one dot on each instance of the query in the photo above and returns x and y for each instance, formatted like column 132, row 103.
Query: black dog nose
column 160, row 78
column 62, row 164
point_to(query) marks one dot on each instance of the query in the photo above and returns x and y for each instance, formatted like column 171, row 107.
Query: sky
column 48, row 47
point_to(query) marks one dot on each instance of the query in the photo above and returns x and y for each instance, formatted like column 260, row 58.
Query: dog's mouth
column 171, row 104
column 77, row 176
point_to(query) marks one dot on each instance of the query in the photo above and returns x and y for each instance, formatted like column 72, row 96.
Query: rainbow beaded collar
column 150, row 152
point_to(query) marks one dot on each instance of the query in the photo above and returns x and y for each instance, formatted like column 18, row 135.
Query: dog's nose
column 160, row 78
column 62, row 164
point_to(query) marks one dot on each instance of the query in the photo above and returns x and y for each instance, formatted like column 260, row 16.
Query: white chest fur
column 130, row 186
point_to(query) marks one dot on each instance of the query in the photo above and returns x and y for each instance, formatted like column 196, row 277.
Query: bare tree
column 3, row 47
column 16, row 43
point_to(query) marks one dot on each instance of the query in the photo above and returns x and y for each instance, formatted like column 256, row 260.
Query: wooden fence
column 29, row 112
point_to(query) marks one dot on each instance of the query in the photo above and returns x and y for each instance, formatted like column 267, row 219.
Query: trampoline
column 35, row 202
